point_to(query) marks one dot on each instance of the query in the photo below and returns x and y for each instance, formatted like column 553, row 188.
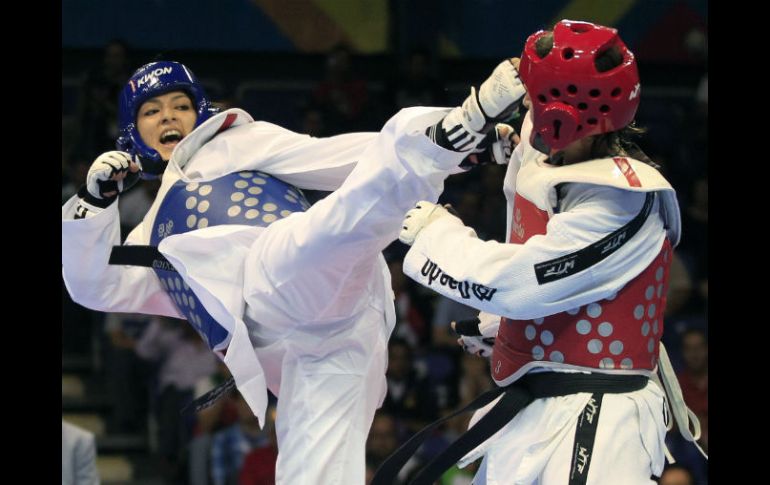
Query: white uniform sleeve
column 301, row 160
column 91, row 282
column 499, row 278
column 318, row 264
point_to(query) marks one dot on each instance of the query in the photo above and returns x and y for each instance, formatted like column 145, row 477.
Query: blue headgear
column 147, row 82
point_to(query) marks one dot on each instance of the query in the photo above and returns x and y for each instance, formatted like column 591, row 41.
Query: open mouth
column 170, row 137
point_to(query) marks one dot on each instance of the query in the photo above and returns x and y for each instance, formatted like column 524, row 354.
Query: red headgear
column 571, row 99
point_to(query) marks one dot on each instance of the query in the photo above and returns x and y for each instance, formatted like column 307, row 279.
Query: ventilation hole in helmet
column 568, row 53
column 541, row 98
column 580, row 127
column 572, row 89
column 592, row 121
column 580, row 28
column 594, row 93
column 604, row 108
column 582, row 106
column 615, row 92
column 556, row 129
column 555, row 93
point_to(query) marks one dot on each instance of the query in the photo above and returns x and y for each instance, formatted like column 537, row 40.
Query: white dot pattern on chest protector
column 605, row 329
column 237, row 196
column 649, row 292
column 659, row 274
column 546, row 337
column 203, row 206
column 203, row 223
column 191, row 220
column 583, row 327
column 655, row 327
column 595, row 346
column 252, row 214
column 233, row 211
column 530, row 332
column 205, row 190
column 192, row 187
column 639, row 312
column 594, row 310
column 573, row 311
column 651, row 345
column 538, row 321
column 259, row 181
column 626, row 363
column 269, row 218
column 616, row 347
column 190, row 202
column 607, row 363
column 645, row 328
column 251, row 202
column 241, row 184
column 538, row 352
column 285, row 213
column 255, row 190
column 557, row 356
column 651, row 310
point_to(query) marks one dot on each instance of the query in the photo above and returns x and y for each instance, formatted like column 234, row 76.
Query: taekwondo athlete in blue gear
column 298, row 302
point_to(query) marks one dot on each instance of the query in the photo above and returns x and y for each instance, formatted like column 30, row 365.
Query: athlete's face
column 164, row 120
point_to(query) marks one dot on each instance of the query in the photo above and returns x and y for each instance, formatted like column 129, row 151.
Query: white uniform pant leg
column 628, row 445
column 326, row 407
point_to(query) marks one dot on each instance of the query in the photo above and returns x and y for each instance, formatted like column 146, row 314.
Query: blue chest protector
column 250, row 198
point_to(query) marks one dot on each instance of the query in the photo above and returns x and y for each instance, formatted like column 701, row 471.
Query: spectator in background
column 183, row 360
column 97, row 111
column 230, row 446
column 416, row 84
column 127, row 375
column 382, row 439
column 412, row 312
column 694, row 377
column 219, row 415
column 342, row 94
column 409, row 396
column 259, row 464
column 78, row 456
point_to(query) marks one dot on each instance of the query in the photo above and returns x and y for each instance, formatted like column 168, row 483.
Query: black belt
column 516, row 397
column 147, row 256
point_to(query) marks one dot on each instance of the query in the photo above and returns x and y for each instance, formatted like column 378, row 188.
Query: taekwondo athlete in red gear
column 581, row 282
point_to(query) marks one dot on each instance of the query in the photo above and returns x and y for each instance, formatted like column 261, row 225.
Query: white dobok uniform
column 306, row 301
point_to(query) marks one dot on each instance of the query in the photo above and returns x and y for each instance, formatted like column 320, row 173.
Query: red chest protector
column 617, row 334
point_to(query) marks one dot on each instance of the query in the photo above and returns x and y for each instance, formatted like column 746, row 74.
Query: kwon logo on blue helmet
column 149, row 81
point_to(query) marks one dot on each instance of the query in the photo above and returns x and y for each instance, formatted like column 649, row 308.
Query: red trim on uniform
column 627, row 171
column 229, row 120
